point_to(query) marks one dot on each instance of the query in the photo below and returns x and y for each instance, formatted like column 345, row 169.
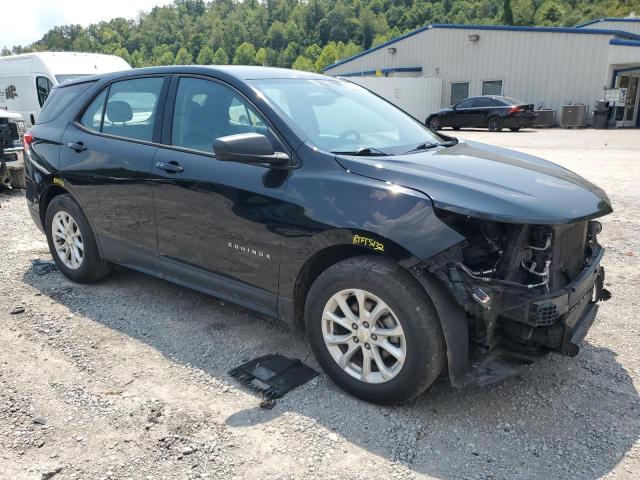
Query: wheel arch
column 451, row 315
column 48, row 194
column 328, row 255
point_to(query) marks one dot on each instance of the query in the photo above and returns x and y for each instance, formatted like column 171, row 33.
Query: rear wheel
column 456, row 128
column 374, row 330
column 435, row 124
column 514, row 129
column 494, row 124
column 72, row 243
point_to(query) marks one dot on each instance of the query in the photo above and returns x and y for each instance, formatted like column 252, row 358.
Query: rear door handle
column 171, row 167
column 78, row 146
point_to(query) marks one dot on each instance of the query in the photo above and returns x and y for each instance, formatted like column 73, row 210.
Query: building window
column 459, row 91
column 492, row 87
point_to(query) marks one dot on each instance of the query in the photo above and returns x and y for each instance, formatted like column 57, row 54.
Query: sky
column 28, row 21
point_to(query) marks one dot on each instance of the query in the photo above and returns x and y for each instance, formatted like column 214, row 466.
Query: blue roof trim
column 607, row 19
column 385, row 71
column 626, row 43
column 588, row 31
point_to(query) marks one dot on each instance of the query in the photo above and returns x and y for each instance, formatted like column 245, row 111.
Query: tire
column 422, row 340
column 494, row 124
column 434, row 124
column 90, row 267
column 515, row 129
column 456, row 128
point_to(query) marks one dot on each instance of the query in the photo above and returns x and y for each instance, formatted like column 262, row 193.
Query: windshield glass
column 71, row 76
column 340, row 116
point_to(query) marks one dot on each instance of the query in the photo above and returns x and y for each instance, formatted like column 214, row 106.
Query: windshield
column 71, row 76
column 342, row 117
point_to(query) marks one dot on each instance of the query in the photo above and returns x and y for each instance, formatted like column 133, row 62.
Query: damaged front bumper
column 513, row 294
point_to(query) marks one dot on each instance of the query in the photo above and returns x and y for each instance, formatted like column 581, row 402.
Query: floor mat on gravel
column 273, row 375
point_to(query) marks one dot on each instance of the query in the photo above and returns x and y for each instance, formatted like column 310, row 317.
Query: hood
column 489, row 182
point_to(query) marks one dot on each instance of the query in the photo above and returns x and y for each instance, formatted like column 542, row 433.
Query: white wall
column 416, row 96
column 548, row 68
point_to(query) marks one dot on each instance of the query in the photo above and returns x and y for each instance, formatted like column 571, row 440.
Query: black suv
column 403, row 253
column 489, row 111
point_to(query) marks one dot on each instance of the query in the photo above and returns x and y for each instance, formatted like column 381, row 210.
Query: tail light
column 516, row 109
column 27, row 140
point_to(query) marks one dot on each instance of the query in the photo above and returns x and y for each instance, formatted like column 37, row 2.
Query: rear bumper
column 520, row 121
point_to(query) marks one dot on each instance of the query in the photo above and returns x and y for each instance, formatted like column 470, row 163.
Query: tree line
column 306, row 35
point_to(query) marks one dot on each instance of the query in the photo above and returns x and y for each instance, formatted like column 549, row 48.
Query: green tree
column 162, row 55
column 368, row 27
column 220, row 57
column 328, row 56
column 549, row 13
column 245, row 54
column 205, row 57
column 507, row 13
column 261, row 57
column 183, row 57
column 523, row 12
column 289, row 55
column 5, row 51
column 303, row 63
column 122, row 53
column 137, row 59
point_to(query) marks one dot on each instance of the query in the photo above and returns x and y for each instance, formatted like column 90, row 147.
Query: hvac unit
column 545, row 117
column 573, row 115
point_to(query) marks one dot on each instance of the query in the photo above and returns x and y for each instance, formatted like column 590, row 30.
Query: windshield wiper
column 429, row 145
column 363, row 152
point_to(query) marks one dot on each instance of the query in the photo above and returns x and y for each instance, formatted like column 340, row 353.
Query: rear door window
column 468, row 103
column 485, row 102
column 59, row 99
column 128, row 109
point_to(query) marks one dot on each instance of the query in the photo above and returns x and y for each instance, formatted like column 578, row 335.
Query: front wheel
column 374, row 330
column 494, row 124
column 72, row 243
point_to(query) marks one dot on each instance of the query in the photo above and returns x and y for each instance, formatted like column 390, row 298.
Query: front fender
column 336, row 207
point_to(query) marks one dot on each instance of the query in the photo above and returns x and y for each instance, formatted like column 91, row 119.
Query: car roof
column 240, row 72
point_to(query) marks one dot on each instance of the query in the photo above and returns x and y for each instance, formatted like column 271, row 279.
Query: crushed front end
column 526, row 289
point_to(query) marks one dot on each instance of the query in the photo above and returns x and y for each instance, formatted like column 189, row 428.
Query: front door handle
column 78, row 146
column 171, row 167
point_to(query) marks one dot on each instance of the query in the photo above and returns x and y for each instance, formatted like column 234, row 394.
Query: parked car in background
column 27, row 79
column 403, row 253
column 490, row 111
column 11, row 134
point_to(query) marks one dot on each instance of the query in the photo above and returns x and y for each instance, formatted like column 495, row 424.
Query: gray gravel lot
column 127, row 378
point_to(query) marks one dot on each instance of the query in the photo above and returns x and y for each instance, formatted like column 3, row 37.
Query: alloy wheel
column 434, row 123
column 67, row 240
column 363, row 336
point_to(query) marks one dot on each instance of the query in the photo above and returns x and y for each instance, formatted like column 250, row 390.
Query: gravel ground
column 127, row 378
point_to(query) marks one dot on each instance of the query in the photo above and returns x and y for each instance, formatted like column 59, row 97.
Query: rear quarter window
column 59, row 99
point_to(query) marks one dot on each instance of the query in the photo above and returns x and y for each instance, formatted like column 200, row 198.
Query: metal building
column 547, row 66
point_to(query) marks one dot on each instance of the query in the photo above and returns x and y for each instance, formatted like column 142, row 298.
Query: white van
column 25, row 80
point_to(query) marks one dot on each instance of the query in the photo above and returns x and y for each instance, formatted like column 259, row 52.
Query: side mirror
column 252, row 148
